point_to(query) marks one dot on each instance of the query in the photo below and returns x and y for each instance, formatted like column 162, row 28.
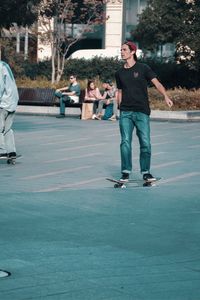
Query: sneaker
column 60, row 116
column 12, row 155
column 148, row 177
column 125, row 177
column 94, row 117
column 3, row 155
column 113, row 118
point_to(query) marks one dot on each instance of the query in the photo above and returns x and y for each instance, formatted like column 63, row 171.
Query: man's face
column 72, row 79
column 104, row 85
column 126, row 53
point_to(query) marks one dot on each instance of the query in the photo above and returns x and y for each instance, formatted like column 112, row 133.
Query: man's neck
column 129, row 63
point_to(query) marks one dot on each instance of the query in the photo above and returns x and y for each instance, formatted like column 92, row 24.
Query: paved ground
column 67, row 234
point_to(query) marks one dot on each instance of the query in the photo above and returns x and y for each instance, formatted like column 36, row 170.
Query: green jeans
column 128, row 121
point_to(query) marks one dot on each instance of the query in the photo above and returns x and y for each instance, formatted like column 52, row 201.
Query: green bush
column 170, row 74
column 183, row 99
column 174, row 75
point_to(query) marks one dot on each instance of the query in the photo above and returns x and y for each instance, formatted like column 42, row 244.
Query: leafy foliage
column 84, row 15
column 22, row 12
column 183, row 99
column 172, row 21
column 170, row 74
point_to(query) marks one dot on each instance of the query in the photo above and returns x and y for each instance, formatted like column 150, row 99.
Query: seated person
column 109, row 97
column 69, row 94
column 93, row 94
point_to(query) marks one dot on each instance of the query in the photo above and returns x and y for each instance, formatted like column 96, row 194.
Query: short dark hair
column 74, row 75
column 108, row 81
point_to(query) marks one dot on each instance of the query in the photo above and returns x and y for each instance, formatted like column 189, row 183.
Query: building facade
column 106, row 39
column 122, row 18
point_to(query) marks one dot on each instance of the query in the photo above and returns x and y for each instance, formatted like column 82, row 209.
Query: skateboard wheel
column 11, row 161
column 116, row 186
column 148, row 184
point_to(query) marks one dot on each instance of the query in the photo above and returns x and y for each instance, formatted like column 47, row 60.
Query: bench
column 43, row 97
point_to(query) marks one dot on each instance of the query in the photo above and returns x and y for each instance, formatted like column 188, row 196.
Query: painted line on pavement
column 159, row 135
column 167, row 164
column 162, row 143
column 177, row 178
column 158, row 153
column 81, row 147
column 194, row 146
column 66, row 141
column 114, row 134
column 55, row 173
column 72, row 157
column 70, row 185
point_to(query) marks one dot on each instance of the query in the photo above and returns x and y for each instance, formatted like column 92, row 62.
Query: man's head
column 107, row 83
column 128, row 49
column 72, row 78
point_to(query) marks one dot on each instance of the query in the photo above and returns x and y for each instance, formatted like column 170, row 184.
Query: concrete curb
column 155, row 114
column 175, row 115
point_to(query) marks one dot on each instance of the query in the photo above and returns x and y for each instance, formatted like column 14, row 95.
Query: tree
column 171, row 21
column 17, row 13
column 21, row 12
column 64, row 22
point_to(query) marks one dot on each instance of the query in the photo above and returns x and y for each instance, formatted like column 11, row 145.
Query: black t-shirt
column 133, row 83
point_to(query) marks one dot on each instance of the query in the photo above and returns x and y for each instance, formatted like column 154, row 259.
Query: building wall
column 113, row 26
column 111, row 34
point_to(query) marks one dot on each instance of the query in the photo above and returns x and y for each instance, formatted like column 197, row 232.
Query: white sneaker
column 94, row 117
column 113, row 118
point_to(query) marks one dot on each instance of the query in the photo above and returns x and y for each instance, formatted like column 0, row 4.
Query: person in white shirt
column 8, row 103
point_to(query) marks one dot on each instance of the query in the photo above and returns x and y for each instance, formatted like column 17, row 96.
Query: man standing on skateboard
column 132, row 80
column 8, row 103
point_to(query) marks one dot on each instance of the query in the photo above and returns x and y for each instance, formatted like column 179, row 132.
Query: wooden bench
column 43, row 97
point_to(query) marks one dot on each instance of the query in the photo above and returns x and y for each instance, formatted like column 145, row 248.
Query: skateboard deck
column 134, row 182
column 11, row 160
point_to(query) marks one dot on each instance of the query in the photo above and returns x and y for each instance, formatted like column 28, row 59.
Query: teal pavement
column 66, row 233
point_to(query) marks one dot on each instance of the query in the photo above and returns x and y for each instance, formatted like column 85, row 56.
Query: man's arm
column 162, row 91
column 119, row 97
column 62, row 89
column 69, row 93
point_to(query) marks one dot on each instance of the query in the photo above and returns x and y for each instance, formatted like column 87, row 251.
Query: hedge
column 170, row 74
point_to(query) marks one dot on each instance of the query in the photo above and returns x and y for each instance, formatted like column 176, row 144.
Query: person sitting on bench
column 109, row 97
column 69, row 94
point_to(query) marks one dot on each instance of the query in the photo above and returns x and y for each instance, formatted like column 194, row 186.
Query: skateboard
column 135, row 182
column 11, row 160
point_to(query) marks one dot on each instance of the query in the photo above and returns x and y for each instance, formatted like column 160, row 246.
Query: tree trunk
column 17, row 40
column 26, row 44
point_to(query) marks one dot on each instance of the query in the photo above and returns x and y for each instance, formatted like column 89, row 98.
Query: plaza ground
column 66, row 233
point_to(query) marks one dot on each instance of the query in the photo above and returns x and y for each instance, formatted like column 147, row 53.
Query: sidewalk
column 155, row 114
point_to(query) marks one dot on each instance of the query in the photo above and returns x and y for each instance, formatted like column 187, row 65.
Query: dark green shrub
column 170, row 74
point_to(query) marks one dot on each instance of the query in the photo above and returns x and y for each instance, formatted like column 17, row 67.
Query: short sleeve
column 118, row 81
column 149, row 73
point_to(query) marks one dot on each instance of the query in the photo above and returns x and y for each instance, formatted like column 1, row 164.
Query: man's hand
column 168, row 101
column 162, row 91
